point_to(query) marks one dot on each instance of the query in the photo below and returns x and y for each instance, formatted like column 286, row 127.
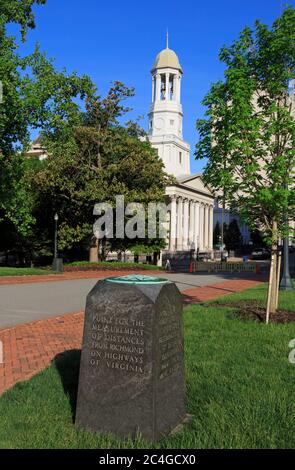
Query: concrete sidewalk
column 30, row 347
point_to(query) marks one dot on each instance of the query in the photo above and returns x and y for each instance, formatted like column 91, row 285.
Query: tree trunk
column 155, row 257
column 278, row 277
column 273, row 278
column 273, row 297
column 93, row 250
column 269, row 287
column 103, row 255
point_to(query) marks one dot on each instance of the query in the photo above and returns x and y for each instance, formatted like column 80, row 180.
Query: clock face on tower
column 159, row 123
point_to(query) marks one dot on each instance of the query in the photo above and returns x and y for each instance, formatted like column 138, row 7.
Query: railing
column 216, row 267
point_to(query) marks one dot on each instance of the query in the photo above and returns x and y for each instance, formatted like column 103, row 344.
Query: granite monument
column 132, row 366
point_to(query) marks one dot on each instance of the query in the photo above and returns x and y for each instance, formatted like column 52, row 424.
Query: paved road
column 22, row 303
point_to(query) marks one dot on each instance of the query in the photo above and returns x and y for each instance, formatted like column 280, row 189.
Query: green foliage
column 257, row 238
column 248, row 133
column 232, row 236
column 35, row 95
column 20, row 12
column 91, row 156
column 93, row 161
column 216, row 234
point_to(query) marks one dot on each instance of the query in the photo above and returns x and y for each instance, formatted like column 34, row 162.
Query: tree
column 233, row 238
column 35, row 95
column 93, row 161
column 216, row 234
column 19, row 12
column 257, row 238
column 252, row 112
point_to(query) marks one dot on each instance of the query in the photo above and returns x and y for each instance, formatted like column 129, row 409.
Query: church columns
column 179, row 224
column 206, row 227
column 185, row 223
column 158, row 87
column 197, row 225
column 191, row 221
column 153, row 89
column 175, row 87
column 211, row 228
column 178, row 88
column 201, row 226
column 167, row 86
column 173, row 223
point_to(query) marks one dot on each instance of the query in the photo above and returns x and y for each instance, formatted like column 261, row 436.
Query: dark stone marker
column 132, row 367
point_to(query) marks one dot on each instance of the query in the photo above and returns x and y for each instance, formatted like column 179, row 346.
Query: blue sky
column 119, row 40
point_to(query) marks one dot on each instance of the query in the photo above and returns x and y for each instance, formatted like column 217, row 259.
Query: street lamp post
column 286, row 281
column 55, row 235
column 57, row 264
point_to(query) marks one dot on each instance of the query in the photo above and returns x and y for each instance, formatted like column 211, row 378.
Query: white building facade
column 190, row 220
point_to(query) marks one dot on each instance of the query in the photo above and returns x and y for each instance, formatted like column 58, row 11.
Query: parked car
column 260, row 253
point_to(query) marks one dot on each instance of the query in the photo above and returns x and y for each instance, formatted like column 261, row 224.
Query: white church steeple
column 165, row 116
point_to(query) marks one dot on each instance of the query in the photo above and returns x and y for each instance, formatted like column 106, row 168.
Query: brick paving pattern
column 201, row 294
column 30, row 347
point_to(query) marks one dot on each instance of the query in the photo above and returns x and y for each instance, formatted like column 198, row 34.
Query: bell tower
column 165, row 116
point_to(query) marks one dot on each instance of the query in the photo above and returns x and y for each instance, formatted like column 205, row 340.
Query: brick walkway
column 29, row 348
column 201, row 294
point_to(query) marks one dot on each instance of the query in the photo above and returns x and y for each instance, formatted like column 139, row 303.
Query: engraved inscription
column 117, row 343
column 170, row 346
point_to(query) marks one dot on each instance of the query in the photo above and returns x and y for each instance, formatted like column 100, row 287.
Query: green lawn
column 240, row 389
column 259, row 294
column 4, row 271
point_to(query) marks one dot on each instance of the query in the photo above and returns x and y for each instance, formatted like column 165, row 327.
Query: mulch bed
column 253, row 310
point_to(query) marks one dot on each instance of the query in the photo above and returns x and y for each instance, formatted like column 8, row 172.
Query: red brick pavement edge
column 69, row 276
column 29, row 348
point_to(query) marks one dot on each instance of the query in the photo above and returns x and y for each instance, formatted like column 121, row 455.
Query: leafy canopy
column 248, row 133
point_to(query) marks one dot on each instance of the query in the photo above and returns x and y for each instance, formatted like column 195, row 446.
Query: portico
column 190, row 224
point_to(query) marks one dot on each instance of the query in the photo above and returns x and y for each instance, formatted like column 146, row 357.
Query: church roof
column 167, row 58
column 185, row 178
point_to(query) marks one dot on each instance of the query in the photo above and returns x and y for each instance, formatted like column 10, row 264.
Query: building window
column 151, row 124
column 171, row 122
column 180, row 157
